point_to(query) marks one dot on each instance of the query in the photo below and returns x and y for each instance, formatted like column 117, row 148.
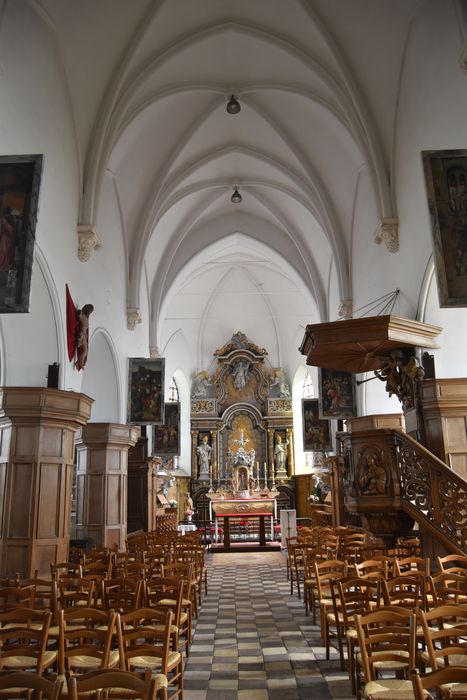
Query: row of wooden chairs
column 140, row 641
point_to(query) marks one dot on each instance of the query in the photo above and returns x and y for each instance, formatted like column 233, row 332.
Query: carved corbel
column 133, row 316
column 153, row 350
column 388, row 233
column 88, row 240
column 345, row 309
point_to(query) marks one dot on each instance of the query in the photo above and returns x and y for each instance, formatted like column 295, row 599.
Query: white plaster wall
column 101, row 381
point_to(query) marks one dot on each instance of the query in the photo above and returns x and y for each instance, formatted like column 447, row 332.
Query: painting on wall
column 146, row 391
column 20, row 178
column 446, row 184
column 336, row 394
column 166, row 436
column 316, row 431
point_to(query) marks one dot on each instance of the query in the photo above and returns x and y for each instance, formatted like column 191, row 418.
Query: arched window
column 173, row 391
column 308, row 391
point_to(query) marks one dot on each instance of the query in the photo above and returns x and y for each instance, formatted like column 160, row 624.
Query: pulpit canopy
column 364, row 344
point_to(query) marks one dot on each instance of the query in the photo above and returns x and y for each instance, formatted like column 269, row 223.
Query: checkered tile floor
column 252, row 641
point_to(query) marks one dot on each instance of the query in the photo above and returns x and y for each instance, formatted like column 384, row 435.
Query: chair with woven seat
column 327, row 573
column 311, row 554
column 144, row 643
column 353, row 596
column 166, row 593
column 446, row 588
column 377, row 567
column 85, row 640
column 386, row 639
column 445, row 635
column 17, row 683
column 121, row 594
column 404, row 566
column 447, row 682
column 114, row 684
column 405, row 591
column 23, row 640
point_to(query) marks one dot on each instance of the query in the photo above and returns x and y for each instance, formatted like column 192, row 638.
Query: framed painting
column 336, row 394
column 446, row 185
column 316, row 431
column 166, row 437
column 146, row 391
column 20, row 178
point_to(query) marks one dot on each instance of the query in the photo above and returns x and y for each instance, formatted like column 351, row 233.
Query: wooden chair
column 66, row 568
column 115, row 684
column 166, row 593
column 386, row 639
column 447, row 682
column 16, row 596
column 23, row 640
column 446, row 588
column 354, row 596
column 311, row 555
column 326, row 573
column 121, row 594
column 405, row 565
column 85, row 639
column 404, row 592
column 144, row 643
column 445, row 636
column 377, row 568
column 453, row 562
column 17, row 683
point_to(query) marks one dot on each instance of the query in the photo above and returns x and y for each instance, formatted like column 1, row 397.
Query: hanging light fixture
column 236, row 198
column 233, row 105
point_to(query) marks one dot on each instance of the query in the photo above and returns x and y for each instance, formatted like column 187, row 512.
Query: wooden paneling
column 102, row 462
column 444, row 407
column 37, row 427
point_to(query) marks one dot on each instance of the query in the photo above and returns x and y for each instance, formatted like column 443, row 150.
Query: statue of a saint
column 280, row 454
column 204, row 458
column 241, row 374
column 373, row 478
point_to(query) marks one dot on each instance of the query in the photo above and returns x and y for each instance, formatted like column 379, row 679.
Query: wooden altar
column 246, row 509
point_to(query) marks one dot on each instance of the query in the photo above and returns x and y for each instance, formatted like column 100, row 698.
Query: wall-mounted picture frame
column 146, row 391
column 336, row 394
column 166, row 437
column 446, row 186
column 316, row 431
column 20, row 179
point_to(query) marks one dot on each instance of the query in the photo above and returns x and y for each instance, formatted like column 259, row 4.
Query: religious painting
column 316, row 431
column 20, row 178
column 446, row 184
column 336, row 394
column 146, row 391
column 166, row 436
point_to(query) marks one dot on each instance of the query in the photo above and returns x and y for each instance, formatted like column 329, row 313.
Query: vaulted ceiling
column 317, row 82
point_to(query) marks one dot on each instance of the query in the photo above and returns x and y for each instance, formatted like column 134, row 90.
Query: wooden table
column 246, row 516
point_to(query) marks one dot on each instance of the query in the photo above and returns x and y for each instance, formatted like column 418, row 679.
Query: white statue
column 204, row 457
column 280, row 454
column 241, row 374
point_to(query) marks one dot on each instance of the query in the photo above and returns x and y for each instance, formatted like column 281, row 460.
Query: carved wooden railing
column 432, row 493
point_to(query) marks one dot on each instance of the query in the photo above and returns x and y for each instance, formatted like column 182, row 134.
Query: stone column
column 102, row 469
column 37, row 427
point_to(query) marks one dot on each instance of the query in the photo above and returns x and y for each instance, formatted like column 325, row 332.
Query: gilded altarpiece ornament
column 242, row 400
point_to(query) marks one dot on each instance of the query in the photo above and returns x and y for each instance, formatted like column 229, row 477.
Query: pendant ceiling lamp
column 236, row 198
column 233, row 105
